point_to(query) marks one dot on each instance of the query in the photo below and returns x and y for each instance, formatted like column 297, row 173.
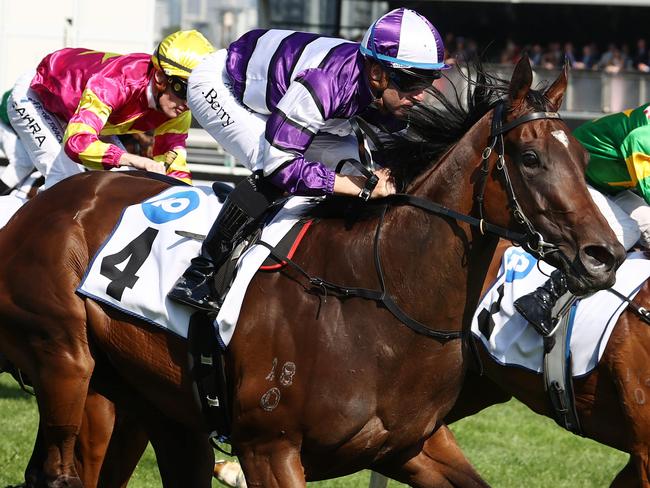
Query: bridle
column 531, row 239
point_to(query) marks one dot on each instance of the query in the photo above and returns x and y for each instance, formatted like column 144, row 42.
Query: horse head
column 537, row 185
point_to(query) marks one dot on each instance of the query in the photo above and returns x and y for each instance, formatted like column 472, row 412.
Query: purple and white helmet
column 402, row 39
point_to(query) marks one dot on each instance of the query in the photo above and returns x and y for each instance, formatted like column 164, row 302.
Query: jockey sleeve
column 3, row 108
column 619, row 150
column 103, row 94
column 307, row 84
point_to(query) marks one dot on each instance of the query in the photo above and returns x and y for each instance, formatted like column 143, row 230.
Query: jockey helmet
column 408, row 46
column 178, row 54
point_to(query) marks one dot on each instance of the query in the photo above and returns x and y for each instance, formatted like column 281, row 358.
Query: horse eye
column 530, row 159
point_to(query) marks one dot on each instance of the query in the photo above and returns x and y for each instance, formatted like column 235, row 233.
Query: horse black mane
column 434, row 127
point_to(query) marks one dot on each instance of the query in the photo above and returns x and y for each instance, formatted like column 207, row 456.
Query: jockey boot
column 4, row 189
column 196, row 287
column 537, row 307
column 243, row 207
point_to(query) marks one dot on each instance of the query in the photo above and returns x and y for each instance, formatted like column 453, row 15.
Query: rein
column 531, row 239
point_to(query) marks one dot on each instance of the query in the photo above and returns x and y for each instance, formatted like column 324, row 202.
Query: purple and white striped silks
column 403, row 38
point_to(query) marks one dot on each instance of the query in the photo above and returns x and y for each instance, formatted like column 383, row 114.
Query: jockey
column 618, row 177
column 280, row 102
column 80, row 99
column 20, row 165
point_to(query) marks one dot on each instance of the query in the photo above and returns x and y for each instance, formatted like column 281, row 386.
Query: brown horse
column 364, row 390
column 611, row 401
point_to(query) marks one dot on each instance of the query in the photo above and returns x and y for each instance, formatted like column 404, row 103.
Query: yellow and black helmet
column 179, row 53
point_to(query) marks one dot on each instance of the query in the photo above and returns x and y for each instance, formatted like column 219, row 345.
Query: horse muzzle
column 593, row 268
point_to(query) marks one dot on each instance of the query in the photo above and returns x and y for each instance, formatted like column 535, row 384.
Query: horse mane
column 434, row 126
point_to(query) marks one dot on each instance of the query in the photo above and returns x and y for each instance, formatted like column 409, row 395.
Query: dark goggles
column 178, row 86
column 407, row 80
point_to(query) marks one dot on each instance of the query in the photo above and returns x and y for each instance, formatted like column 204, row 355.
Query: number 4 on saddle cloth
column 143, row 257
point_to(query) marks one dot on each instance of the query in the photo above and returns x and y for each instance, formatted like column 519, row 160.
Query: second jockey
column 280, row 102
column 67, row 112
column 618, row 176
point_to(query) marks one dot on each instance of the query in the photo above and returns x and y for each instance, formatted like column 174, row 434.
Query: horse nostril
column 599, row 256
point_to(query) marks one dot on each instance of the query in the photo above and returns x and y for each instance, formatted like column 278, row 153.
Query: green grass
column 509, row 445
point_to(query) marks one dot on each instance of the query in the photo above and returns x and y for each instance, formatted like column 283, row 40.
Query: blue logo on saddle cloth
column 511, row 341
column 144, row 256
column 171, row 207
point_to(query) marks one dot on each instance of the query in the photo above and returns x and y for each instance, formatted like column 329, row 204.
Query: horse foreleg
column 94, row 437
column 185, row 457
column 61, row 383
column 272, row 465
column 128, row 442
column 440, row 464
column 627, row 476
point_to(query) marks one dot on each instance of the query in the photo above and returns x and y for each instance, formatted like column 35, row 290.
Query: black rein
column 531, row 239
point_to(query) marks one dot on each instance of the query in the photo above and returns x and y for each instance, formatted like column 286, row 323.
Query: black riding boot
column 244, row 206
column 537, row 307
column 4, row 189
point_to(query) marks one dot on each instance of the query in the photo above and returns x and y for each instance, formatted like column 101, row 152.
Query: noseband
column 532, row 240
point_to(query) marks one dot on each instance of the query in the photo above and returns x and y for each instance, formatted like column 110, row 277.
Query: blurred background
column 605, row 42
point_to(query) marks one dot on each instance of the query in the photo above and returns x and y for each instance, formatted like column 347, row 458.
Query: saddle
column 206, row 358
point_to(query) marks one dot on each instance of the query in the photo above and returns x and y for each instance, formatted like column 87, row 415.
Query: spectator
column 511, row 53
column 569, row 54
column 641, row 57
column 535, row 54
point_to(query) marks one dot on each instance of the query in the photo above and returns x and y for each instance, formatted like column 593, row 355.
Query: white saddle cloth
column 511, row 341
column 143, row 257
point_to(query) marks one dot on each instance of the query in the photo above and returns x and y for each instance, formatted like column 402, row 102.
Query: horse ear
column 555, row 92
column 522, row 78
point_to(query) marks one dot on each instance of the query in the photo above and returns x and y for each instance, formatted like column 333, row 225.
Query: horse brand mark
column 271, row 375
column 639, row 396
column 211, row 98
column 288, row 372
column 561, row 136
column 270, row 399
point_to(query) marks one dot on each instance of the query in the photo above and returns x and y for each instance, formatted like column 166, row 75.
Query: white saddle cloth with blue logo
column 143, row 257
column 511, row 341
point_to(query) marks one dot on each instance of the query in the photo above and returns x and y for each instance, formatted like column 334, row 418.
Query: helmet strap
column 376, row 77
column 160, row 83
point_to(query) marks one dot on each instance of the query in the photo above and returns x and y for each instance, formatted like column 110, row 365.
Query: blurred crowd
column 613, row 59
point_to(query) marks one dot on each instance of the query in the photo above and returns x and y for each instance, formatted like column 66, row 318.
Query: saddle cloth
column 511, row 341
column 143, row 257
column 9, row 204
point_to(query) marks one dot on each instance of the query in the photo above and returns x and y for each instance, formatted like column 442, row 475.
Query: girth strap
column 380, row 296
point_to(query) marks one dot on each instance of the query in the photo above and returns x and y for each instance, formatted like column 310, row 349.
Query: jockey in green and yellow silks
column 619, row 167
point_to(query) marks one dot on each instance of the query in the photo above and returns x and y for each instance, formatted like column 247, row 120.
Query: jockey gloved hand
column 385, row 185
column 140, row 162
column 352, row 185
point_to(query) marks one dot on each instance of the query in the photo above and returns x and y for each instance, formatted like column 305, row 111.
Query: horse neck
column 456, row 255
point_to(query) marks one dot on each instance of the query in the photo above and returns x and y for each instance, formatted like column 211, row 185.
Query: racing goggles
column 178, row 86
column 407, row 80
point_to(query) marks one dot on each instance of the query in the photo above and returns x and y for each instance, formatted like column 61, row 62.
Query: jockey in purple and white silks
column 280, row 102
